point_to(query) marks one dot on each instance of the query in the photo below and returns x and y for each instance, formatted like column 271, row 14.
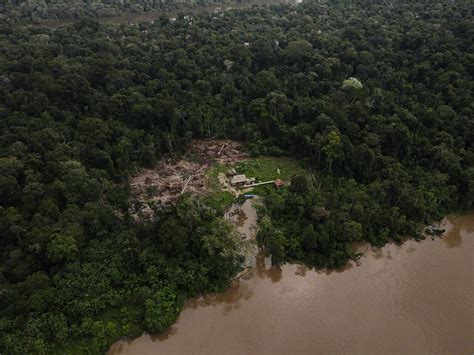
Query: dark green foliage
column 83, row 105
column 148, row 267
column 161, row 309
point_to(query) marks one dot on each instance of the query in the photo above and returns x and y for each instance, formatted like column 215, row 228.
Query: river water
column 417, row 298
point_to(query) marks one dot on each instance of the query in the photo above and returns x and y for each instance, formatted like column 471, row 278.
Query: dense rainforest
column 375, row 100
column 40, row 11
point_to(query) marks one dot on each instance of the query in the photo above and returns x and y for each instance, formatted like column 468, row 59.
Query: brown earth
column 170, row 179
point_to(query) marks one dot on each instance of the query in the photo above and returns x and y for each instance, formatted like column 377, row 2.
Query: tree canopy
column 375, row 100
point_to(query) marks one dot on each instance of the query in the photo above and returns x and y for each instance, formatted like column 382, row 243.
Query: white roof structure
column 238, row 179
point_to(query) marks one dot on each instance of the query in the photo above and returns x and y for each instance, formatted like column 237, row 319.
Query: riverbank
column 258, row 265
column 411, row 298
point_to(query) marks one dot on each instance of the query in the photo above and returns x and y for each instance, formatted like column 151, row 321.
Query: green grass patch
column 212, row 176
column 267, row 168
column 263, row 168
column 270, row 168
column 219, row 200
column 216, row 198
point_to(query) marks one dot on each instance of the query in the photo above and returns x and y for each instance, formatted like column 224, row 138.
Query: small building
column 278, row 183
column 239, row 180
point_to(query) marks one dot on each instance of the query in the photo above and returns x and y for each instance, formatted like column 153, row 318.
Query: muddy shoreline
column 410, row 298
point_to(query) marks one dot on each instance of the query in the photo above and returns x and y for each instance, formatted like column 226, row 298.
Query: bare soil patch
column 170, row 179
column 216, row 151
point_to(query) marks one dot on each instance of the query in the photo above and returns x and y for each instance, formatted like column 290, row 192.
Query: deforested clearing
column 170, row 178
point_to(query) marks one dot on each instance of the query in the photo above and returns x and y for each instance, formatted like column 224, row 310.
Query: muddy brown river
column 417, row 298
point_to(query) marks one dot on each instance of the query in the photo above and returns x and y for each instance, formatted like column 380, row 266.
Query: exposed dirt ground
column 170, row 179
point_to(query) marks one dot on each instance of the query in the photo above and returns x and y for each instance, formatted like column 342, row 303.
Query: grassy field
column 270, row 168
column 263, row 168
column 219, row 200
column 216, row 198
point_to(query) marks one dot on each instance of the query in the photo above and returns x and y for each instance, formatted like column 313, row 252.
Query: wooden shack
column 278, row 183
column 239, row 180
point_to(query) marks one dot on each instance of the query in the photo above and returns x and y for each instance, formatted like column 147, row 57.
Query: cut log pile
column 219, row 151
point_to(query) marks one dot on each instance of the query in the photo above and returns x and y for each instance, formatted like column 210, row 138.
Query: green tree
column 62, row 248
column 161, row 309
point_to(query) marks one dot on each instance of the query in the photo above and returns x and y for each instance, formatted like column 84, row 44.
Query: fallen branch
column 186, row 185
column 200, row 169
column 223, row 145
